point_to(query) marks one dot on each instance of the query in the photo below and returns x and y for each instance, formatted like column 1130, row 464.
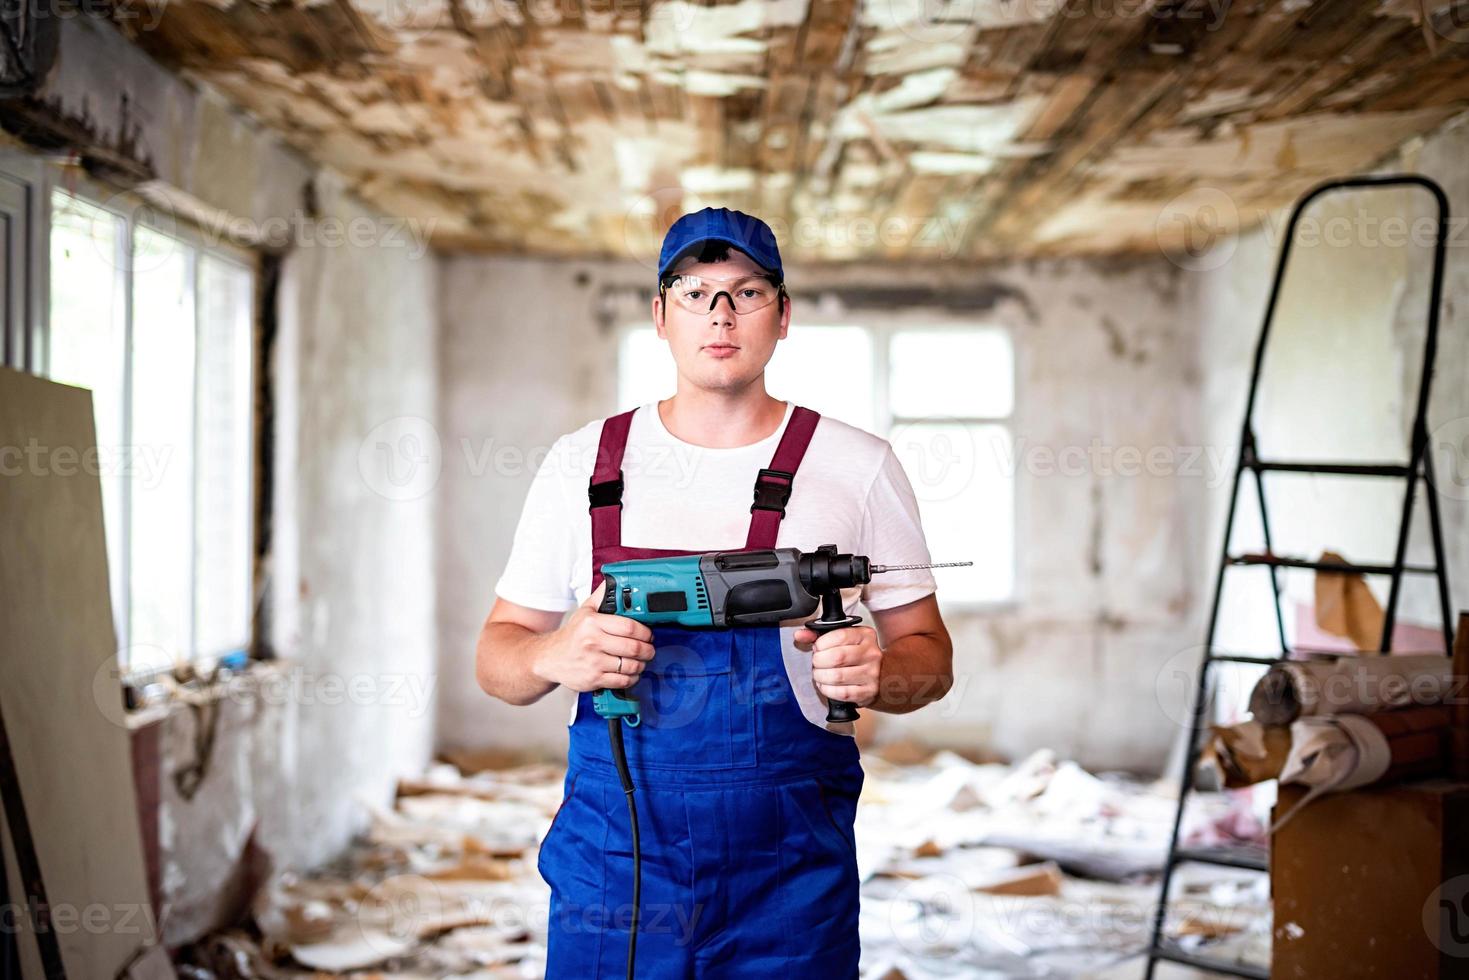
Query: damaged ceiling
column 886, row 129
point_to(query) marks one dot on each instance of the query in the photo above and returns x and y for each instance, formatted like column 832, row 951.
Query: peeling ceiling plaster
column 897, row 129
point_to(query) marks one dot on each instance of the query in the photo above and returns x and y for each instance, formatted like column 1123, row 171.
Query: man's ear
column 785, row 313
column 658, row 317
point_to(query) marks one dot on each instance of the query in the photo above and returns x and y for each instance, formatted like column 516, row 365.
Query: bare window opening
column 945, row 398
column 159, row 327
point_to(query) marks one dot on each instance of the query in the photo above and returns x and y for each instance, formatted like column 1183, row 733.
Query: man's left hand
column 846, row 664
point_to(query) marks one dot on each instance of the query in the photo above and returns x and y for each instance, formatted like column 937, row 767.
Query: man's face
column 719, row 349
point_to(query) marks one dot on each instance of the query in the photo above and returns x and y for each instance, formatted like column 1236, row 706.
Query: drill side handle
column 834, row 617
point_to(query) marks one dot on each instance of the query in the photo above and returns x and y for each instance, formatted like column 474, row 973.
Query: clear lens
column 699, row 294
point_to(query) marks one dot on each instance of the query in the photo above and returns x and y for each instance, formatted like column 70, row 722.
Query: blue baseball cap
column 743, row 231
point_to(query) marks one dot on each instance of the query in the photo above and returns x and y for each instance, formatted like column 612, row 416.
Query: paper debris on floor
column 1034, row 869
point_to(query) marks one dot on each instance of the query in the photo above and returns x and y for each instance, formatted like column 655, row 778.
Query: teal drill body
column 658, row 591
column 721, row 589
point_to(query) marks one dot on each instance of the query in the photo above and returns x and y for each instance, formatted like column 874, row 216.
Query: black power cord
column 619, row 756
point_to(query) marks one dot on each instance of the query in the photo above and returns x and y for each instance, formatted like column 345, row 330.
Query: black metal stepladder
column 1418, row 467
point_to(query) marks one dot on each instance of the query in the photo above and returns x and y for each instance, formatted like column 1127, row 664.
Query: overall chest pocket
column 697, row 712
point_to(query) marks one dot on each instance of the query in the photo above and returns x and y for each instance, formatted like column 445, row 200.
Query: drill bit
column 875, row 569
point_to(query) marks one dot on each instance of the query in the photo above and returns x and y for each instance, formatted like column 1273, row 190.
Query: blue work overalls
column 745, row 808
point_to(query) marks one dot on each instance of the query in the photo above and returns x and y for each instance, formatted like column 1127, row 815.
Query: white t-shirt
column 850, row 490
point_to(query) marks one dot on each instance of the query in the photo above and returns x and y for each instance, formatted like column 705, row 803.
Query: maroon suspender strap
column 604, row 490
column 773, row 485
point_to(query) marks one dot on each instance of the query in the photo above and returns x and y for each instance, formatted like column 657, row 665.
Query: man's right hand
column 594, row 650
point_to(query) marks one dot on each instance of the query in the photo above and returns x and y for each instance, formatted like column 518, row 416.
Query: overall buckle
column 607, row 493
column 772, row 491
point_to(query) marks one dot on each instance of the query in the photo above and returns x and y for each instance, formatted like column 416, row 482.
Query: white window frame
column 27, row 176
column 125, row 205
column 882, row 331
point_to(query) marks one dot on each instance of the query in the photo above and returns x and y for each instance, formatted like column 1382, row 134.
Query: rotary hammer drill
column 722, row 589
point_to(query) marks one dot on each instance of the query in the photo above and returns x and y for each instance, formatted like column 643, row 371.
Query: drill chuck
column 822, row 571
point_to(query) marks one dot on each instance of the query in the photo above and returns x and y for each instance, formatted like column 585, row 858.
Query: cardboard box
column 1373, row 883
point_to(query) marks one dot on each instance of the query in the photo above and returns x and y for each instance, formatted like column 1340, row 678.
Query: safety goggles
column 699, row 294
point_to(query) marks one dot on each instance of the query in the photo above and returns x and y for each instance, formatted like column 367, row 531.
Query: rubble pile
column 1036, row 869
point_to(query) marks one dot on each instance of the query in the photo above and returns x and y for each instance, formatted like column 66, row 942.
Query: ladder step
column 1243, row 658
column 1173, row 954
column 1278, row 561
column 1332, row 469
column 1237, row 856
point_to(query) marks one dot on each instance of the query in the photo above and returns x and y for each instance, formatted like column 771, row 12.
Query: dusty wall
column 1340, row 381
column 304, row 747
column 1108, row 573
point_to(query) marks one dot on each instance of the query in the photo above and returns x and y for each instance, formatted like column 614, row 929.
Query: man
column 746, row 795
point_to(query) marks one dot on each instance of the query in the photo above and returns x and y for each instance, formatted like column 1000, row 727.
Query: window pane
column 222, row 447
column 827, row 369
column 87, row 334
column 163, row 434
column 962, row 476
column 813, row 366
column 957, row 372
column 645, row 371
